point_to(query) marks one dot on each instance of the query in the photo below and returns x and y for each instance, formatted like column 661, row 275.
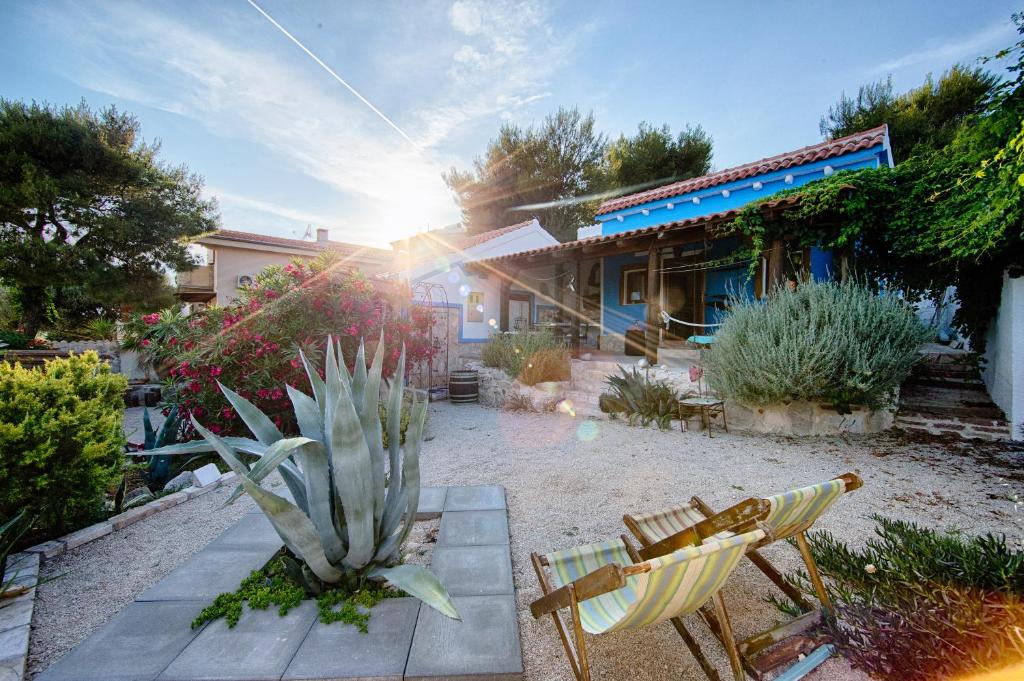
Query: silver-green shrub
column 508, row 351
column 838, row 342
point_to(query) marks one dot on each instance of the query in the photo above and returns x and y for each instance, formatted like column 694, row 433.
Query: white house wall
column 1004, row 368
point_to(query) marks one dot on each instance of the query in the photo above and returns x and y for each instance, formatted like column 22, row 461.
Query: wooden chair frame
column 769, row 649
column 610, row 578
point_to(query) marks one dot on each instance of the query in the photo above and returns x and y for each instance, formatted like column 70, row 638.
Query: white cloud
column 974, row 45
column 465, row 17
column 238, row 78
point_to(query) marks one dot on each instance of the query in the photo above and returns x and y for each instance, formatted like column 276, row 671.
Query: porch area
column 607, row 295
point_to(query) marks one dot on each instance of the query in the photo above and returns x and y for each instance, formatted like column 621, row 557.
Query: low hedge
column 61, row 442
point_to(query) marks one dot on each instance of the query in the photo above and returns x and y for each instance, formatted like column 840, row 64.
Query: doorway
column 519, row 313
column 682, row 296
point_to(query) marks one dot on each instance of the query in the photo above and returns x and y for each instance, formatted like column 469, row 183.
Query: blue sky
column 282, row 144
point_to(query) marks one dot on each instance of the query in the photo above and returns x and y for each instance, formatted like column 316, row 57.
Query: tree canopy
column 947, row 217
column 87, row 211
column 558, row 171
column 923, row 119
column 653, row 157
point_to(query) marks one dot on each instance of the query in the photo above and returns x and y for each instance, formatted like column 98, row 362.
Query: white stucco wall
column 1004, row 354
column 458, row 283
column 229, row 263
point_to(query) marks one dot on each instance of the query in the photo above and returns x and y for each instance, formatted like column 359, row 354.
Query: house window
column 475, row 307
column 633, row 288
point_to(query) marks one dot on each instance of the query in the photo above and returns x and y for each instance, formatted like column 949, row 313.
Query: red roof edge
column 808, row 154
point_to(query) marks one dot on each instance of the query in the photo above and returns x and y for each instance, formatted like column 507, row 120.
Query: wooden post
column 652, row 332
column 576, row 318
column 503, row 298
column 775, row 265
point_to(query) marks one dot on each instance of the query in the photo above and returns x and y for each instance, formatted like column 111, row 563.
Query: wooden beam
column 775, row 270
column 575, row 326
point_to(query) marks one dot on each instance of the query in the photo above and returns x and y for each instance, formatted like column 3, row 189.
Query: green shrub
column 12, row 340
column 545, row 365
column 918, row 605
column 509, row 351
column 822, row 341
column 639, row 399
column 61, row 441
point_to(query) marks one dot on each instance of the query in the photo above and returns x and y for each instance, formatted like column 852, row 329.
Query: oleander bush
column 837, row 342
column 637, row 398
column 254, row 344
column 61, row 442
column 510, row 351
column 918, row 605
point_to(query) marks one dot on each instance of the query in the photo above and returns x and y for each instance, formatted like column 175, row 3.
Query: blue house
column 664, row 249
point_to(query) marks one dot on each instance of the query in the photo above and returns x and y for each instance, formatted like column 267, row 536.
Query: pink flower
column 215, row 429
column 151, row 319
column 145, row 342
column 263, row 393
column 353, row 330
column 295, row 363
column 216, row 371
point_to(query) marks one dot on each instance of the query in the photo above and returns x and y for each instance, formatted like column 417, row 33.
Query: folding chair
column 607, row 588
column 784, row 515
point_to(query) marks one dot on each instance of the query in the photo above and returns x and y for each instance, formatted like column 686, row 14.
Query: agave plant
column 354, row 501
column 639, row 398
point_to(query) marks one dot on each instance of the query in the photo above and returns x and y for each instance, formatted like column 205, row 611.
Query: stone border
column 16, row 615
column 150, row 639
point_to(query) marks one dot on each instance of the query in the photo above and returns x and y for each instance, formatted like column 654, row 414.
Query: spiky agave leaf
column 393, row 503
column 392, row 543
column 370, row 420
column 421, row 583
column 349, row 459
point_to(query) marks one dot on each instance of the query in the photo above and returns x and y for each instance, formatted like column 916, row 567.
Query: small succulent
column 355, row 501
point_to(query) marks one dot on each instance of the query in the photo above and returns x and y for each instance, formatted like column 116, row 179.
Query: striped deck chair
column 607, row 588
column 785, row 515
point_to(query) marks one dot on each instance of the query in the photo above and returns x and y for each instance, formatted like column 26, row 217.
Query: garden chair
column 785, row 515
column 703, row 403
column 607, row 587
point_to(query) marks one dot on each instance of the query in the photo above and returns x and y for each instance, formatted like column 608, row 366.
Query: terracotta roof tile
column 688, row 223
column 815, row 152
column 483, row 237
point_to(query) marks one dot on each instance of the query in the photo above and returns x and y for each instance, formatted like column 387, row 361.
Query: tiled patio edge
column 150, row 638
column 16, row 613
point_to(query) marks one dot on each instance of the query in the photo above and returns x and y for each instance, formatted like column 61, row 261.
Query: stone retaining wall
column 806, row 418
column 498, row 389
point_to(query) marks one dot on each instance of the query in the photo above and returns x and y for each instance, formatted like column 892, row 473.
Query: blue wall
column 741, row 192
column 619, row 318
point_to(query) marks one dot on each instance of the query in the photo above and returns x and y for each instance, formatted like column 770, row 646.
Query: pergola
column 567, row 257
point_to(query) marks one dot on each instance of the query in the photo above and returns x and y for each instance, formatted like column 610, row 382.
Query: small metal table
column 709, row 407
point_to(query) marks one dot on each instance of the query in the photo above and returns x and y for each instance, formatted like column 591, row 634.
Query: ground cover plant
column 639, row 399
column 514, row 352
column 355, row 501
column 61, row 442
column 272, row 585
column 915, row 604
column 256, row 342
column 836, row 342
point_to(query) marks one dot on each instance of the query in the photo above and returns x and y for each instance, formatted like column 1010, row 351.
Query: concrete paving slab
column 210, row 572
column 484, row 646
column 431, row 502
column 259, row 648
column 475, row 498
column 339, row 651
column 252, row 531
column 135, row 645
column 87, row 534
column 473, row 570
column 473, row 528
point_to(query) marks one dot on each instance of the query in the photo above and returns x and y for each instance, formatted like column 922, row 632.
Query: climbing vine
column 939, row 219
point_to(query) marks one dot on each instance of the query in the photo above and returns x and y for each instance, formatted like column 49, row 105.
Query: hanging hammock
column 667, row 319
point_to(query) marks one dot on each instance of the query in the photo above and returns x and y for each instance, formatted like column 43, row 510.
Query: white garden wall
column 1003, row 372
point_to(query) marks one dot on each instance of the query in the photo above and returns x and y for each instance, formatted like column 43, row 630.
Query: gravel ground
column 569, row 482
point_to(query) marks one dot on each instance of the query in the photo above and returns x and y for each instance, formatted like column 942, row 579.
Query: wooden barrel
column 463, row 386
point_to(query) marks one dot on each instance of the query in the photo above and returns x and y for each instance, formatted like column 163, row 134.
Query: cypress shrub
column 837, row 342
column 61, row 442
